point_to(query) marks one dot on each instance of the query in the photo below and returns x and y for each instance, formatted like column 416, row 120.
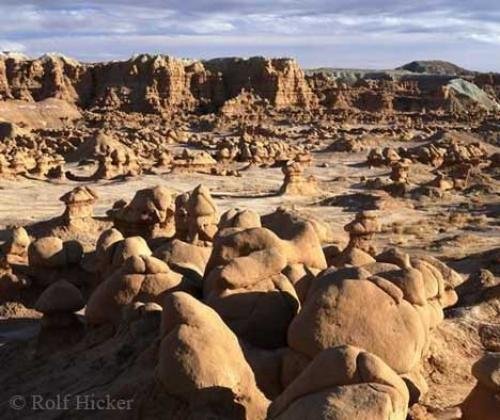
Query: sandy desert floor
column 26, row 201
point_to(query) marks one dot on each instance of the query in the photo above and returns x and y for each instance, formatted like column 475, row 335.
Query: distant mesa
column 435, row 67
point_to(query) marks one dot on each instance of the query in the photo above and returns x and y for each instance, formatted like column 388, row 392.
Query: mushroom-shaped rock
column 400, row 171
column 60, row 326
column 60, row 297
column 79, row 205
column 343, row 382
column 362, row 229
column 295, row 183
column 201, row 361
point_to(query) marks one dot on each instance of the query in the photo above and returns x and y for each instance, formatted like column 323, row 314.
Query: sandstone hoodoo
column 60, row 325
column 202, row 216
column 362, row 230
column 296, row 182
column 79, row 206
column 240, row 238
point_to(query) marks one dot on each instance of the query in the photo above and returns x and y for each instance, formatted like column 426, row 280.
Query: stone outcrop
column 384, row 93
column 250, row 290
column 281, row 81
column 331, row 317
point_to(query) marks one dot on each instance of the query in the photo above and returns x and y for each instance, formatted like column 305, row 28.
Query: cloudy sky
column 339, row 33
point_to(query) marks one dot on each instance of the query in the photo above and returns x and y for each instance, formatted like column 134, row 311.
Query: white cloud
column 6, row 45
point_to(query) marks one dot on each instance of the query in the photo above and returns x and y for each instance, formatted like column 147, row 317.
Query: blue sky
column 339, row 33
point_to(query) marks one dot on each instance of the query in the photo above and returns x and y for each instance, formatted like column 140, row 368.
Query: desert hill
column 435, row 67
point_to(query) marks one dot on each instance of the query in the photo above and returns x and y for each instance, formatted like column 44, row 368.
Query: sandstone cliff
column 161, row 84
column 153, row 83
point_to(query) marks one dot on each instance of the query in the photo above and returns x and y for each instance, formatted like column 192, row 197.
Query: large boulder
column 184, row 256
column 249, row 291
column 149, row 214
column 51, row 259
column 369, row 314
column 303, row 235
column 244, row 282
column 242, row 219
column 140, row 278
column 343, row 382
column 201, row 362
column 280, row 220
column 112, row 249
column 300, row 245
column 17, row 243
